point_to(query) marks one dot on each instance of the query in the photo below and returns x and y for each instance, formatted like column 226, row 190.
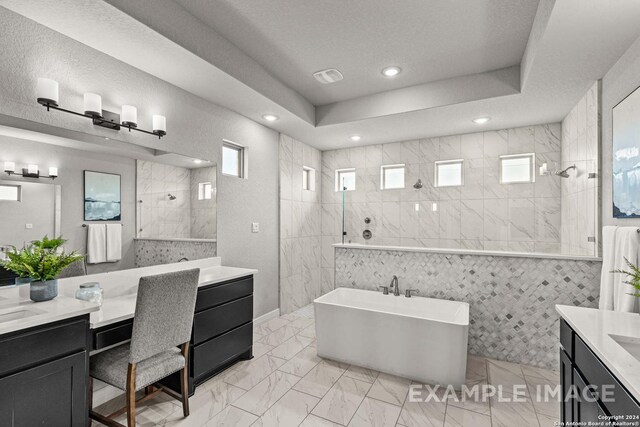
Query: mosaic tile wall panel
column 512, row 300
column 155, row 252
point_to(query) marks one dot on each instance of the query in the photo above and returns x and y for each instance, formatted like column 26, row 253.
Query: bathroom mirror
column 176, row 202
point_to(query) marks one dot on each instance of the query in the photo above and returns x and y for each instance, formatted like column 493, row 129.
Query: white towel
column 96, row 244
column 626, row 246
column 114, row 242
column 608, row 264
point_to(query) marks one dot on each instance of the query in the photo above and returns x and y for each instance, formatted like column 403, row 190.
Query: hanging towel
column 114, row 242
column 96, row 243
column 626, row 246
column 608, row 264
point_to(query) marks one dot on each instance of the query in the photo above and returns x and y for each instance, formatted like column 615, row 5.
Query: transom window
column 204, row 191
column 517, row 168
column 392, row 177
column 10, row 193
column 448, row 173
column 345, row 179
column 233, row 159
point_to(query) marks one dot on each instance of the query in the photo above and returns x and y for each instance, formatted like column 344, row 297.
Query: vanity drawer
column 42, row 343
column 217, row 294
column 566, row 337
column 596, row 374
column 112, row 334
column 213, row 354
column 214, row 321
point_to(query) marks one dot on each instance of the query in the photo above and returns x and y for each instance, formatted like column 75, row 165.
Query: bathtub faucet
column 394, row 286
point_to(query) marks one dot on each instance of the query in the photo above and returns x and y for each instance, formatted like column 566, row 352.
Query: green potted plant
column 634, row 276
column 41, row 261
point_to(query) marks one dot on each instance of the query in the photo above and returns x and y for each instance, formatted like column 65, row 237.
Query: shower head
column 171, row 196
column 418, row 184
column 564, row 173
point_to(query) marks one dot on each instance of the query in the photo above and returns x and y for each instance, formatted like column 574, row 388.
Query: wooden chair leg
column 131, row 395
column 184, row 384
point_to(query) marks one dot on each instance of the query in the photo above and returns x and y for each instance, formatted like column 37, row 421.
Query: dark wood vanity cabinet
column 222, row 331
column 583, row 378
column 44, row 375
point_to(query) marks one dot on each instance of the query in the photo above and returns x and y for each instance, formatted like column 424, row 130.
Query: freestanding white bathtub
column 423, row 339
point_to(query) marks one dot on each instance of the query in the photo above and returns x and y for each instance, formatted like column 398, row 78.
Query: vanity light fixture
column 48, row 96
column 31, row 171
column 355, row 138
column 391, row 71
column 481, row 120
column 270, row 117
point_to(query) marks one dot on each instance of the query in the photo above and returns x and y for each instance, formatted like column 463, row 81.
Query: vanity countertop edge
column 594, row 327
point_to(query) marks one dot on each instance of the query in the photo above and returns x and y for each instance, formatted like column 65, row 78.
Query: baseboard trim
column 267, row 316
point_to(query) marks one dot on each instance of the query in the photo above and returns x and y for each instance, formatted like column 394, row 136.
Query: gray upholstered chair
column 76, row 268
column 163, row 319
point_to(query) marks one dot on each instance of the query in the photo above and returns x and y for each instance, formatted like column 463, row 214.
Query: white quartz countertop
column 119, row 295
column 122, row 307
column 18, row 312
column 595, row 327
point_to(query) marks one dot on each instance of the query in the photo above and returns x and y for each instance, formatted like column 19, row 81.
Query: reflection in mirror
column 176, row 202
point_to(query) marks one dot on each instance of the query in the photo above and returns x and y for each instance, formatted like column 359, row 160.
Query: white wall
column 195, row 127
column 622, row 79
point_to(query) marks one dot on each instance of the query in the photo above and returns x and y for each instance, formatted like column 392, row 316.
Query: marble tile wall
column 301, row 276
column 156, row 252
column 481, row 214
column 158, row 216
column 580, row 194
column 203, row 212
column 511, row 299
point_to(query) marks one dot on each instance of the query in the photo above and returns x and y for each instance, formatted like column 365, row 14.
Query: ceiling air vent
column 327, row 76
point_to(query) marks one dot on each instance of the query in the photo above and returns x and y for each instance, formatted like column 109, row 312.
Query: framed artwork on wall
column 626, row 157
column 102, row 196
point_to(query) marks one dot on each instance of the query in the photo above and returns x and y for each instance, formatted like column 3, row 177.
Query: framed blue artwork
column 102, row 196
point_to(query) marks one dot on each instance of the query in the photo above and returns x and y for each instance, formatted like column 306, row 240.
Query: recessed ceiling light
column 355, row 138
column 197, row 161
column 481, row 120
column 391, row 71
column 270, row 117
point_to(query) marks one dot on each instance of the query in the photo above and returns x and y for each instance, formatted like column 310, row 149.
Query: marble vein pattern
column 309, row 391
column 512, row 300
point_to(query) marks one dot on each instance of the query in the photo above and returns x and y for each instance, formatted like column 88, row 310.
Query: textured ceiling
column 430, row 39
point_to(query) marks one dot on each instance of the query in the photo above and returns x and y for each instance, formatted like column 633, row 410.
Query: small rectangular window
column 10, row 193
column 517, row 168
column 233, row 159
column 308, row 178
column 345, row 179
column 204, row 191
column 449, row 173
column 392, row 177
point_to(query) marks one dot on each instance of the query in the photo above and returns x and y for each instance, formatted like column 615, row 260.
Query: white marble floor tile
column 246, row 376
column 309, row 331
column 476, row 370
column 476, row 403
column 232, row 417
column 302, row 363
column 457, row 417
column 548, row 421
column 390, row 389
column 260, row 349
column 210, row 398
column 542, row 404
column 266, row 393
column 291, row 347
column 154, row 411
column 509, row 414
column 302, row 323
column 270, row 326
column 547, row 374
column 313, row 421
column 342, row 401
column 506, row 375
column 321, row 378
column 290, row 410
column 423, row 414
column 279, row 336
column 362, row 374
column 375, row 413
